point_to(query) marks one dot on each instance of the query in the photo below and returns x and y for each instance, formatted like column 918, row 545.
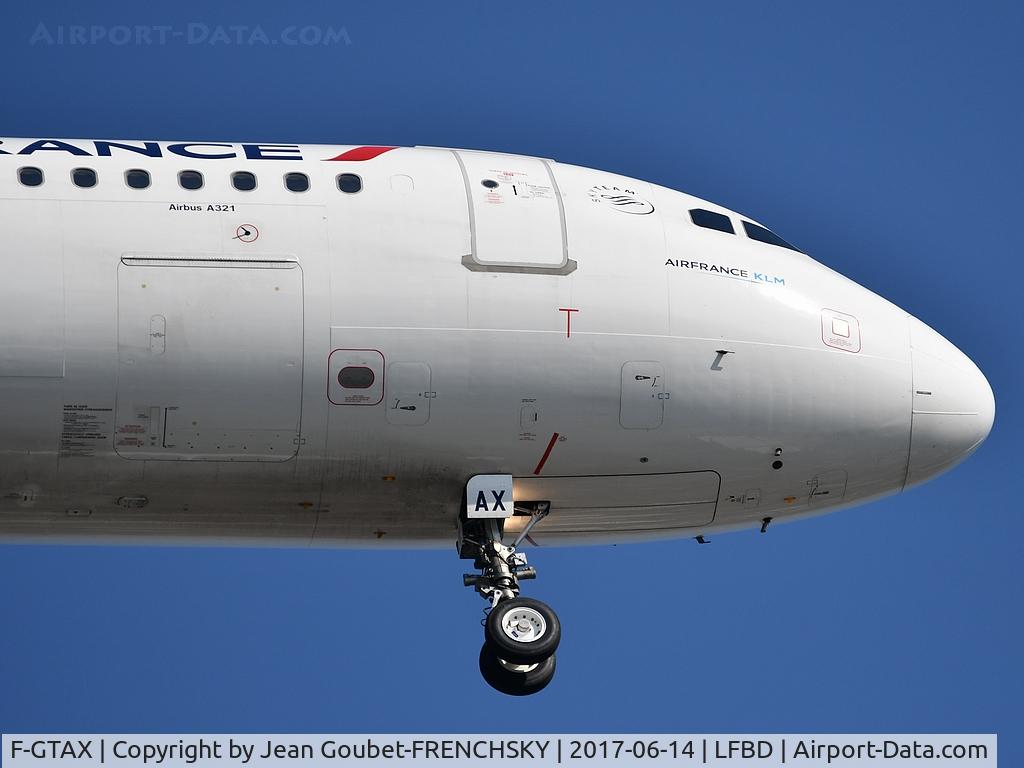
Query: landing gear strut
column 520, row 634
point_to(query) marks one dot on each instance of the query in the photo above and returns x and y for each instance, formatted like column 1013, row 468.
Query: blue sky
column 882, row 137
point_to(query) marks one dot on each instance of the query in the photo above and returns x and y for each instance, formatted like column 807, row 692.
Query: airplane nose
column 953, row 405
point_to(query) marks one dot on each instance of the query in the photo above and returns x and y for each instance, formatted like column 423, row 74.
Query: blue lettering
column 184, row 151
column 264, row 151
column 57, row 146
column 149, row 148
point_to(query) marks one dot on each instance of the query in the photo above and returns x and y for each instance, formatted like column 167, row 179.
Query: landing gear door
column 642, row 404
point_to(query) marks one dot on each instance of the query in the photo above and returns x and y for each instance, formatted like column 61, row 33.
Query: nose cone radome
column 953, row 405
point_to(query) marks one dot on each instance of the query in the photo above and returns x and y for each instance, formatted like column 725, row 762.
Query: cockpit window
column 712, row 220
column 755, row 232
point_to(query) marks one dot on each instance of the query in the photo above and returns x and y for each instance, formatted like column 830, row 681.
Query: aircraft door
column 827, row 487
column 209, row 359
column 642, row 404
column 409, row 395
column 517, row 220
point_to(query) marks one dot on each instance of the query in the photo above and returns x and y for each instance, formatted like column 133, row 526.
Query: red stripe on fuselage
column 362, row 153
column 544, row 458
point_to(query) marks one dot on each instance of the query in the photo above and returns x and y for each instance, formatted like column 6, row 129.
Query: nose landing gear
column 521, row 635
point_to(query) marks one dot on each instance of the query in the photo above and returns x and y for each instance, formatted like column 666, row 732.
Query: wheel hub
column 524, row 625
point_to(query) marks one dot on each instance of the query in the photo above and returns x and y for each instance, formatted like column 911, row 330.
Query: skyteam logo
column 621, row 199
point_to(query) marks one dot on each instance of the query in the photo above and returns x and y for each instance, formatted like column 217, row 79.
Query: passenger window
column 190, row 180
column 762, row 235
column 30, row 177
column 712, row 220
column 137, row 178
column 243, row 181
column 349, row 183
column 356, row 377
column 296, row 182
column 83, row 177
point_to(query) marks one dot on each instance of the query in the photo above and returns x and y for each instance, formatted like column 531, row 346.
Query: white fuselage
column 331, row 367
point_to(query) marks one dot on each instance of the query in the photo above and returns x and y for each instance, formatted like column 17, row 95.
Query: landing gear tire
column 523, row 631
column 520, row 635
column 514, row 679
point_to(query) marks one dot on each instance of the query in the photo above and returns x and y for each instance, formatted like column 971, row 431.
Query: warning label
column 84, row 430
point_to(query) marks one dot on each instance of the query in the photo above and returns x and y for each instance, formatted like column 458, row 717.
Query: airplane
column 386, row 347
